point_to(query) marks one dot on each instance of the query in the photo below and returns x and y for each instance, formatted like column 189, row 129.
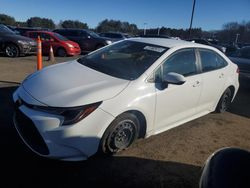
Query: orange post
column 39, row 54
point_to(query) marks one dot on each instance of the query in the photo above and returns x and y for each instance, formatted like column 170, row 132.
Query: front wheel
column 61, row 52
column 11, row 50
column 122, row 132
column 224, row 102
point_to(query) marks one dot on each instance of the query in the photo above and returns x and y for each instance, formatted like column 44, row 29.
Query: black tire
column 61, row 52
column 225, row 101
column 11, row 50
column 121, row 133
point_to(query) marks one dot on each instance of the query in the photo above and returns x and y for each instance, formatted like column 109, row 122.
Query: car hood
column 72, row 84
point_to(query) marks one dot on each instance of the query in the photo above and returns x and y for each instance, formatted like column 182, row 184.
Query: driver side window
column 182, row 62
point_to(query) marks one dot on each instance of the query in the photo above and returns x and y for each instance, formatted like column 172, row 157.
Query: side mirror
column 174, row 78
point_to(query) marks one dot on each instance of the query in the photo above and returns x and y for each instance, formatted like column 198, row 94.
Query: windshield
column 125, row 60
column 5, row 29
column 93, row 34
column 60, row 37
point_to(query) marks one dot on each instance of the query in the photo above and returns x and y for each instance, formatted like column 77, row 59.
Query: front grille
column 30, row 134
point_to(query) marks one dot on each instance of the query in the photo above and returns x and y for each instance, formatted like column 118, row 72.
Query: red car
column 61, row 45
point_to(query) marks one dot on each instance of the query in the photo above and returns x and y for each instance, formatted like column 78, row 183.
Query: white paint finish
column 177, row 102
column 73, row 142
column 71, row 84
column 212, row 89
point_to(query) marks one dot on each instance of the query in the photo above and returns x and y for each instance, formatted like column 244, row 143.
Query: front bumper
column 29, row 48
column 74, row 51
column 43, row 134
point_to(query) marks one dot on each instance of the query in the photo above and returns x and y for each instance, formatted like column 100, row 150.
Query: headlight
column 23, row 42
column 108, row 41
column 71, row 115
column 70, row 45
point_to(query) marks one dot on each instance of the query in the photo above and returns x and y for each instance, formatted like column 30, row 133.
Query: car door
column 177, row 103
column 46, row 42
column 213, row 76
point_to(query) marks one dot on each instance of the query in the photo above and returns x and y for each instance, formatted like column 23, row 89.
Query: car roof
column 169, row 43
column 39, row 31
column 70, row 29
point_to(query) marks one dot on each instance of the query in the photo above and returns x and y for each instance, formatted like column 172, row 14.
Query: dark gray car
column 206, row 42
column 87, row 40
column 13, row 45
column 242, row 58
column 115, row 36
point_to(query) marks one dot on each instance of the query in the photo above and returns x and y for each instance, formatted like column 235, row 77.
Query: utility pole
column 159, row 31
column 236, row 39
column 145, row 28
column 191, row 21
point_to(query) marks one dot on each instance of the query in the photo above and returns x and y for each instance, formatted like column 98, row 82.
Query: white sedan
column 132, row 89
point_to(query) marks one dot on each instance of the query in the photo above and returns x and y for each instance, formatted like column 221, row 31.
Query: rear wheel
column 11, row 50
column 61, row 52
column 225, row 101
column 122, row 132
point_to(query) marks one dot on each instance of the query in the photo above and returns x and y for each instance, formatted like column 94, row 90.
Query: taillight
column 238, row 70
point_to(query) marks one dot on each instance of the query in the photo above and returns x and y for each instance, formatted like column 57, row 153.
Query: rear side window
column 245, row 53
column 182, row 62
column 33, row 35
column 45, row 37
column 211, row 61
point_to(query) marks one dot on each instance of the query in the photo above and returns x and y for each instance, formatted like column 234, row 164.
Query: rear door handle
column 221, row 75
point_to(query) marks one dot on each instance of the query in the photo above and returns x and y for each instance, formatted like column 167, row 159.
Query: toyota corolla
column 131, row 89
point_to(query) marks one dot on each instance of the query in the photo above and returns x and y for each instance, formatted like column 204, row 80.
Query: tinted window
column 73, row 33
column 62, row 32
column 211, row 61
column 220, row 61
column 45, row 37
column 92, row 34
column 126, row 59
column 60, row 37
column 33, row 35
column 5, row 29
column 182, row 62
column 245, row 52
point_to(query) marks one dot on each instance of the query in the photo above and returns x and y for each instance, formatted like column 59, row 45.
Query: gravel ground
column 171, row 159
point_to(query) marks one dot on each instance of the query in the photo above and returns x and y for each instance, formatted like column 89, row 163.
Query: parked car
column 231, row 49
column 87, row 40
column 242, row 58
column 115, row 36
column 61, row 45
column 23, row 30
column 131, row 89
column 206, row 42
column 13, row 45
column 155, row 36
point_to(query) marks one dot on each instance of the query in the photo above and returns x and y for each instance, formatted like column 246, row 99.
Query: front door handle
column 197, row 83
